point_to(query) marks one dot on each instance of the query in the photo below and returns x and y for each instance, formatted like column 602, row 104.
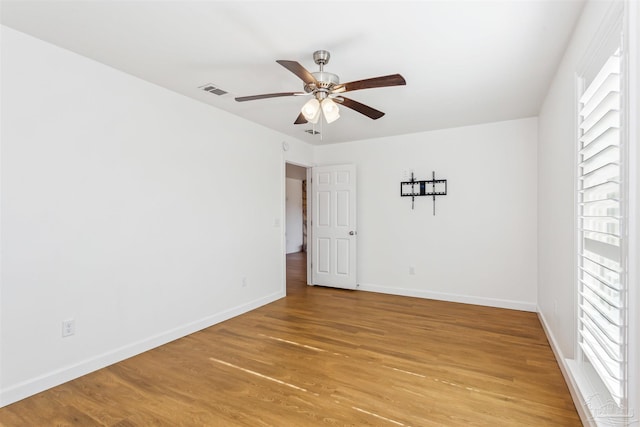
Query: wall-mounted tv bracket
column 414, row 188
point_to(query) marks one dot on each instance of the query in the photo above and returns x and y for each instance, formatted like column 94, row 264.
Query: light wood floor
column 325, row 356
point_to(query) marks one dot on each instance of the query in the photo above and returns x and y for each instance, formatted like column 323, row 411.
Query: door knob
column 352, row 233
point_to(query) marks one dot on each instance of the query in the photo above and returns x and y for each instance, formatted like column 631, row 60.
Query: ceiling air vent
column 212, row 89
column 312, row 132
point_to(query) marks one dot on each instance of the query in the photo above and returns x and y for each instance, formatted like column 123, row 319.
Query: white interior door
column 334, row 226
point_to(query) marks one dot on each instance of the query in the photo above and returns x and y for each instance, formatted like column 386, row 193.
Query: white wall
column 556, row 220
column 481, row 245
column 128, row 208
column 298, row 152
column 294, row 215
column 556, row 171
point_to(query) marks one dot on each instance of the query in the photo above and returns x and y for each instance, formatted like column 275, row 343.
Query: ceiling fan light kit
column 311, row 111
column 326, row 90
column 330, row 110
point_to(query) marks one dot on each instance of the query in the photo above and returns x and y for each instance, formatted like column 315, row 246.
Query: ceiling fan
column 327, row 91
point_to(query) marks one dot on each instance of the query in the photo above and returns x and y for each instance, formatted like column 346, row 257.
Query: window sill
column 596, row 400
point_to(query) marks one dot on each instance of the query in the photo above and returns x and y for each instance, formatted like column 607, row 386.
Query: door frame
column 309, row 219
column 309, row 194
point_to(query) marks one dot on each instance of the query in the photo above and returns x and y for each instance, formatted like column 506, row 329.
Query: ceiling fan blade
column 382, row 81
column 267, row 95
column 297, row 69
column 300, row 120
column 360, row 108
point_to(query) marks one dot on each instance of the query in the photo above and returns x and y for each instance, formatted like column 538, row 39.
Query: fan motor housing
column 325, row 81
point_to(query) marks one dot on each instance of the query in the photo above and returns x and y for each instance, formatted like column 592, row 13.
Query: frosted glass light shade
column 330, row 110
column 311, row 110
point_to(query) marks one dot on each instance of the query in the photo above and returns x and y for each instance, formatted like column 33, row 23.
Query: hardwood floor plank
column 325, row 356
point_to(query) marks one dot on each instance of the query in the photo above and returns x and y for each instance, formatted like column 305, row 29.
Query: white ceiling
column 465, row 62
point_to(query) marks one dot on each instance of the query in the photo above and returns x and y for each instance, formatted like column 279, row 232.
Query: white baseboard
column 578, row 400
column 36, row 385
column 440, row 296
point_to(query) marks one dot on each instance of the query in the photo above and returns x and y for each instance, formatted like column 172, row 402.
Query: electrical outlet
column 68, row 327
column 244, row 282
column 412, row 270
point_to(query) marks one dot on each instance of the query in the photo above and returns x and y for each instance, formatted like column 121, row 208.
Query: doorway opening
column 296, row 230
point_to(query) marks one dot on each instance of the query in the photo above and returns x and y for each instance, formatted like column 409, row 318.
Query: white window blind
column 601, row 266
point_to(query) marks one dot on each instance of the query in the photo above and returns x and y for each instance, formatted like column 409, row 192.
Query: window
column 602, row 245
